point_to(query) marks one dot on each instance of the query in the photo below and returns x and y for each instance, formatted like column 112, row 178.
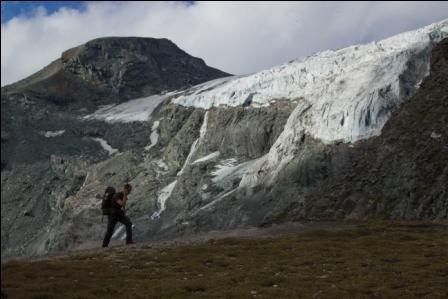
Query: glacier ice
column 349, row 93
column 134, row 110
column 342, row 95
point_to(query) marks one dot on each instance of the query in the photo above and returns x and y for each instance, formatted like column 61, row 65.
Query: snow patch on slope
column 134, row 110
column 164, row 194
column 50, row 134
column 119, row 231
column 215, row 201
column 195, row 144
column 208, row 157
column 154, row 137
column 228, row 171
column 106, row 146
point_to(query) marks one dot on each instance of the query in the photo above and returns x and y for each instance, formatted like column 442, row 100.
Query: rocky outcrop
column 115, row 69
column 124, row 66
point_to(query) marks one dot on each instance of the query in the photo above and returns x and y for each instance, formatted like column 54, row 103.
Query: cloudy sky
column 236, row 37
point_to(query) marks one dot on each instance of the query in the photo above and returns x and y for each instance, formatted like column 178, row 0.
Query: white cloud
column 236, row 37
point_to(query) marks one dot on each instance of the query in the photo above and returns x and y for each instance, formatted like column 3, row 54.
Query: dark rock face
column 41, row 172
column 115, row 69
column 131, row 67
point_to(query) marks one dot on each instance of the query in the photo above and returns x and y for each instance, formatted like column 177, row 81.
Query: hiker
column 117, row 214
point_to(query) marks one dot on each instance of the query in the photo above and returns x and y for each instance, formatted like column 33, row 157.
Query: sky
column 236, row 37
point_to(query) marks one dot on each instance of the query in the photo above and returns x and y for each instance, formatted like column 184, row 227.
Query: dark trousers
column 112, row 221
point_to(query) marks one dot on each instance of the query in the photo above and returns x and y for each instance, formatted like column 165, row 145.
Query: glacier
column 347, row 93
column 341, row 95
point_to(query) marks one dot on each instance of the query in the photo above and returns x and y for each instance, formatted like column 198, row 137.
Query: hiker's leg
column 111, row 221
column 127, row 222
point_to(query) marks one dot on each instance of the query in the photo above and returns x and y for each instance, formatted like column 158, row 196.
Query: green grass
column 382, row 259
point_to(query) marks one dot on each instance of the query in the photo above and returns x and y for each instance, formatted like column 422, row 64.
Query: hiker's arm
column 125, row 199
column 122, row 203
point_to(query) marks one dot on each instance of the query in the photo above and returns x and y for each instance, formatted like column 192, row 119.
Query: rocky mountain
column 354, row 133
column 118, row 69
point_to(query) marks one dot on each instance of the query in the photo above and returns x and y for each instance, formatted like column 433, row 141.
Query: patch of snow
column 154, row 137
column 118, row 231
column 163, row 195
column 227, row 171
column 190, row 154
column 162, row 164
column 50, row 134
column 215, row 201
column 195, row 144
column 85, row 180
column 205, row 195
column 435, row 135
column 134, row 110
column 106, row 146
column 123, row 235
column 208, row 157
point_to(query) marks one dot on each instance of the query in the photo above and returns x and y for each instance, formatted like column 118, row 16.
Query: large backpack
column 107, row 205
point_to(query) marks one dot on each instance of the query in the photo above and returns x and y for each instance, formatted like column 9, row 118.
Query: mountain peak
column 113, row 45
column 120, row 68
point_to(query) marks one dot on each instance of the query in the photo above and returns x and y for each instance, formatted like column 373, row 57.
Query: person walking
column 117, row 214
